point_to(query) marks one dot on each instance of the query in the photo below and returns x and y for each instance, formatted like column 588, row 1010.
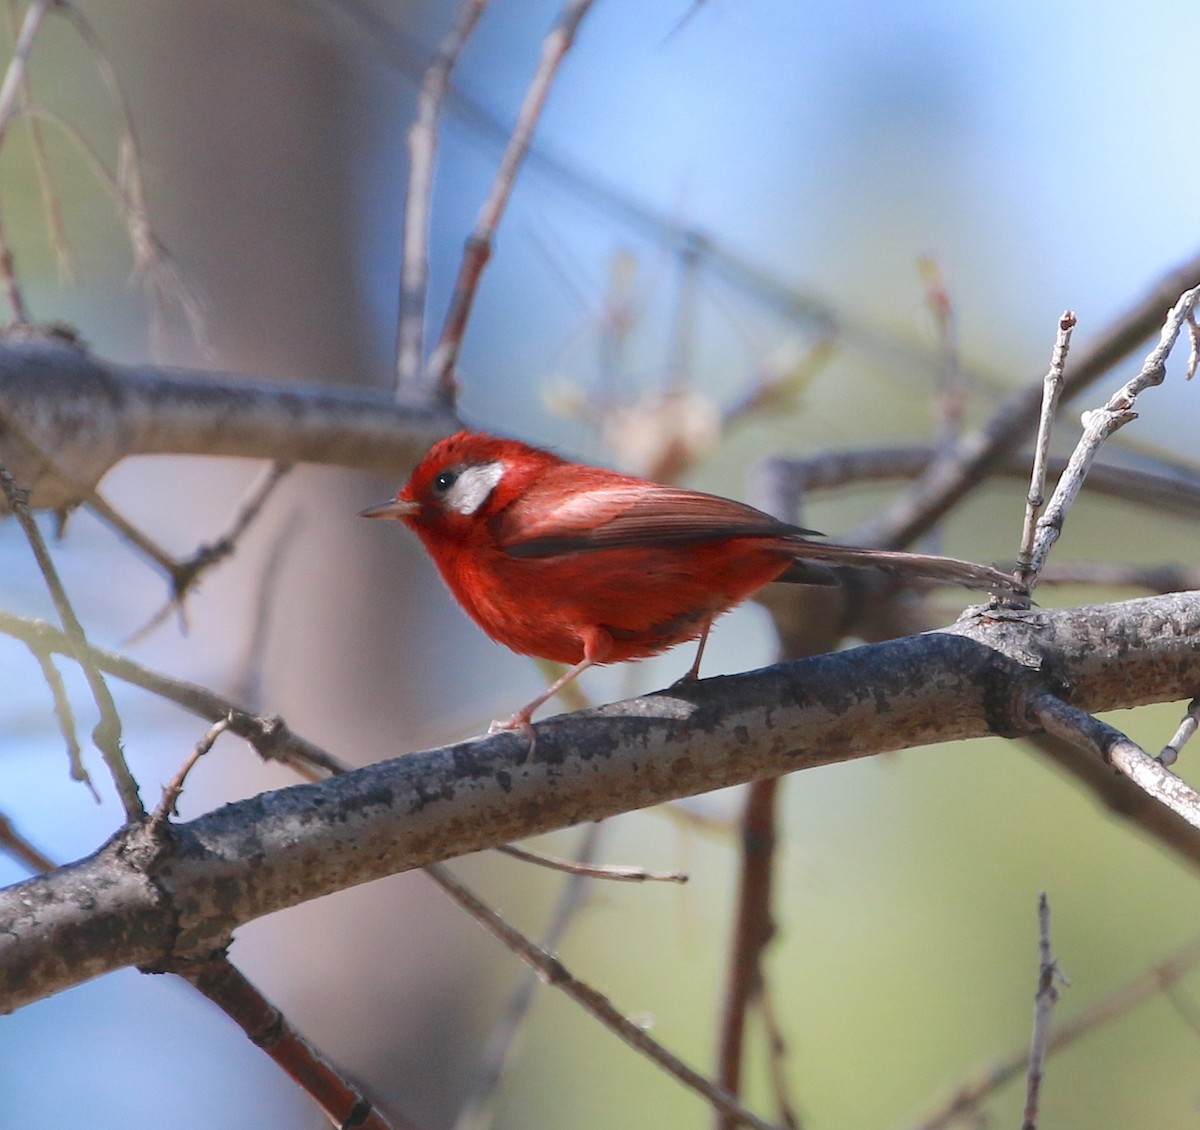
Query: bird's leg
column 596, row 644
column 521, row 720
column 693, row 672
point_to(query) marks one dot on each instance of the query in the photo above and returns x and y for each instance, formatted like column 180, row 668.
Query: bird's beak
column 395, row 508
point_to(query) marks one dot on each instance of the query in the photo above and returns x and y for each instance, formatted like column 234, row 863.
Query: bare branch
column 422, row 147
column 83, row 416
column 475, row 1112
column 1170, row 488
column 1152, row 578
column 1051, row 390
column 1191, row 720
column 270, row 737
column 65, row 716
column 479, row 244
column 1122, row 798
column 171, row 793
column 14, row 75
column 107, row 733
column 308, row 840
column 753, row 930
column 1158, row 979
column 1044, row 1002
column 599, row 1006
column 1099, row 425
column 1105, row 741
column 186, row 575
column 21, row 849
column 343, row 1103
column 593, row 870
column 951, row 383
column 977, row 453
column 8, row 278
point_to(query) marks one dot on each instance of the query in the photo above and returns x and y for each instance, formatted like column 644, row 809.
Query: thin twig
column 248, row 686
column 340, row 1100
column 978, row 452
column 270, row 737
column 151, row 259
column 1187, row 727
column 1193, row 361
column 107, row 733
column 1044, row 1002
column 56, row 227
column 21, row 849
column 1051, row 390
column 1080, row 729
column 777, row 1061
column 8, row 278
column 967, row 1098
column 592, row 870
column 422, row 150
column 65, row 717
column 555, row 973
column 170, row 795
column 186, row 575
column 951, row 400
column 1100, row 424
column 478, row 251
column 14, row 76
column 752, row 932
column 475, row 1112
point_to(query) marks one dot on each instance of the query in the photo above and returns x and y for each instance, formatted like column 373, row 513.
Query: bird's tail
column 915, row 566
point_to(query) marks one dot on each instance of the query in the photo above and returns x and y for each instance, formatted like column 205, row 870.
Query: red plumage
column 584, row 565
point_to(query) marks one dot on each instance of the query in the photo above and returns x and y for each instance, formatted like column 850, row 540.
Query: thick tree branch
column 135, row 902
column 66, row 418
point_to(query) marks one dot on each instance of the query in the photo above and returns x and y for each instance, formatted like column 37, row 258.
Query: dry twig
column 593, row 870
column 340, row 1100
column 422, row 148
column 444, row 361
column 1099, row 425
column 1082, row 730
column 977, row 453
column 1051, row 390
column 21, row 849
column 967, row 1099
column 270, row 737
column 1044, row 1002
column 555, row 973
column 170, row 796
column 107, row 733
column 1191, row 719
column 753, row 930
column 475, row 1112
column 186, row 575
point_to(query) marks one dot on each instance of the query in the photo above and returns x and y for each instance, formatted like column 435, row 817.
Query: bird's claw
column 521, row 722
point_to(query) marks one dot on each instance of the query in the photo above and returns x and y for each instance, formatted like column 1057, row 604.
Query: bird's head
column 464, row 478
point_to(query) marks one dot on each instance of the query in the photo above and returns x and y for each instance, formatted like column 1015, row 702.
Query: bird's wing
column 625, row 514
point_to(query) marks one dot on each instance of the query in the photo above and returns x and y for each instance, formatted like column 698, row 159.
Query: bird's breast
column 646, row 598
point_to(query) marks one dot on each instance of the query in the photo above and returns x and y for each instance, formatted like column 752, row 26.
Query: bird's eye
column 445, row 481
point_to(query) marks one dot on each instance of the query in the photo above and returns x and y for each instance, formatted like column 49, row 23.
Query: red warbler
column 586, row 566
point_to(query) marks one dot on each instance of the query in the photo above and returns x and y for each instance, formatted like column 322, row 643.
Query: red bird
column 586, row 566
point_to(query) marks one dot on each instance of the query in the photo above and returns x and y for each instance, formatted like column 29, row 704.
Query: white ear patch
column 473, row 486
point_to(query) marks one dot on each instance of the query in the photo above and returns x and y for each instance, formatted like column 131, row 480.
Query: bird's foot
column 519, row 721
